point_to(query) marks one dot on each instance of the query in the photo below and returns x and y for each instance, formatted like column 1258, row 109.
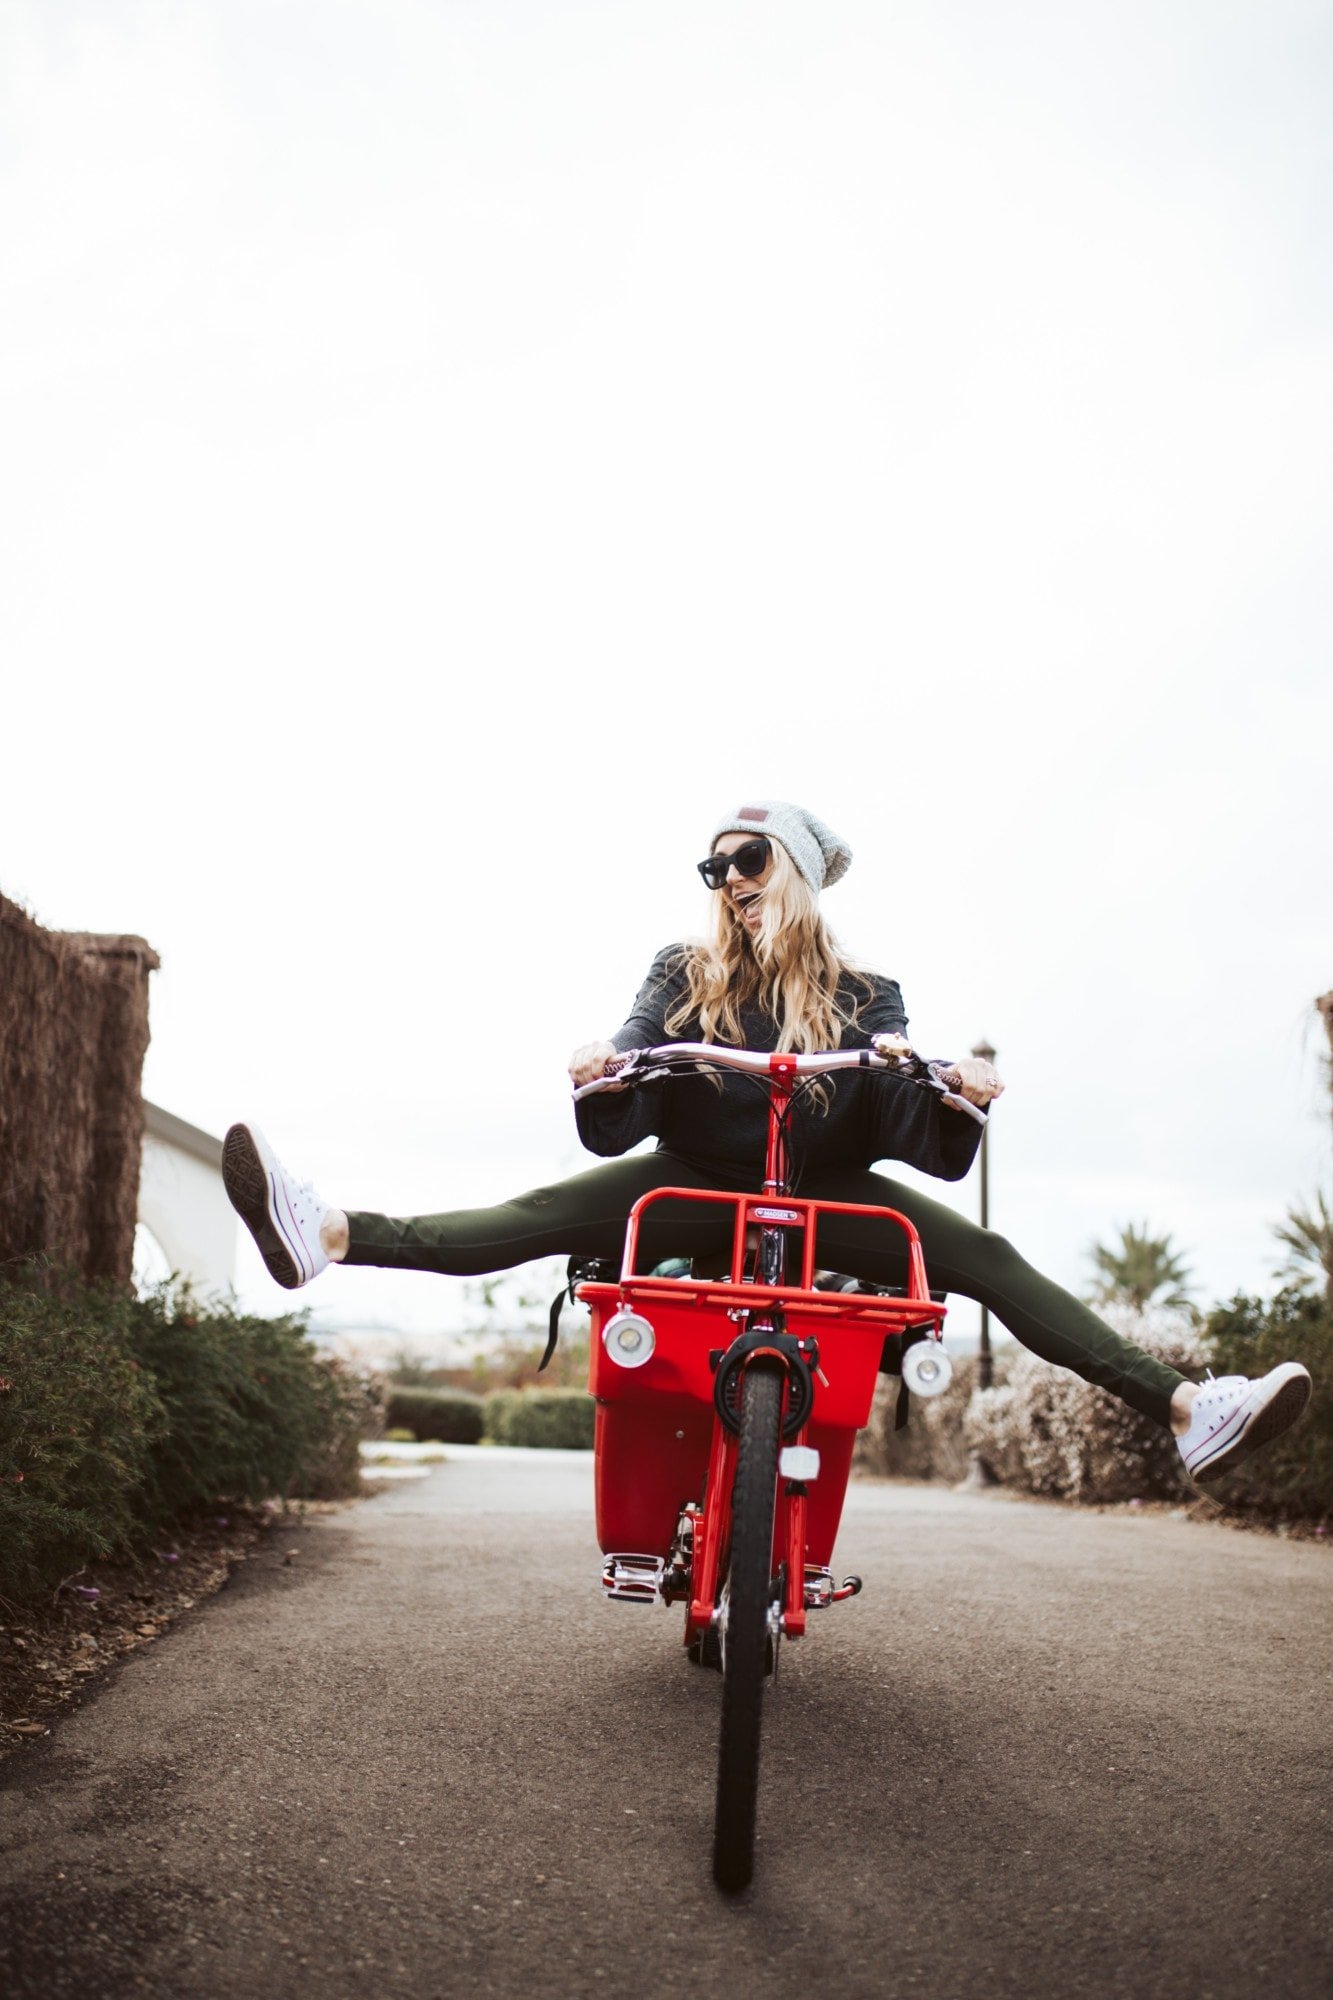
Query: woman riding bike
column 770, row 976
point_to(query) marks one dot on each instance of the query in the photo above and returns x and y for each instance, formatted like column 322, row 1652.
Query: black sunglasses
column 749, row 860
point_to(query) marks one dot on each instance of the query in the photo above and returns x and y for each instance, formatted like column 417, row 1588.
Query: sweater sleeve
column 917, row 1127
column 906, row 1122
column 612, row 1121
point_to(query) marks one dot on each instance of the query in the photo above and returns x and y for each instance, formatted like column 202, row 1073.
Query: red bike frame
column 665, row 1460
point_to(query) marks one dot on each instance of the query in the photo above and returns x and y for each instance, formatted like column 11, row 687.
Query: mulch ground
column 53, row 1651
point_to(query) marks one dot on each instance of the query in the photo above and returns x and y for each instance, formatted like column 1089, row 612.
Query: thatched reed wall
column 73, row 1033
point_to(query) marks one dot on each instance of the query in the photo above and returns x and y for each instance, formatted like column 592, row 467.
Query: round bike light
column 629, row 1338
column 927, row 1369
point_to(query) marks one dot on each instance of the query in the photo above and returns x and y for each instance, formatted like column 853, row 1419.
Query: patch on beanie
column 753, row 812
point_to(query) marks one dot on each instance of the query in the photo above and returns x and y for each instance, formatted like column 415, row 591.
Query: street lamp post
column 985, row 1364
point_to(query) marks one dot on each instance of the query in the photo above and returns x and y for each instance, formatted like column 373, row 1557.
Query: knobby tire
column 745, row 1653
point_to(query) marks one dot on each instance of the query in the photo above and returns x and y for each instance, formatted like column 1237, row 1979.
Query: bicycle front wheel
column 745, row 1634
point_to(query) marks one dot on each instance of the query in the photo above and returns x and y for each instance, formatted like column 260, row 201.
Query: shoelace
column 1217, row 1386
column 303, row 1192
column 1214, row 1392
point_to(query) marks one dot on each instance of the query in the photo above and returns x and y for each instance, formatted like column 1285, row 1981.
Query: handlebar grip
column 602, row 1082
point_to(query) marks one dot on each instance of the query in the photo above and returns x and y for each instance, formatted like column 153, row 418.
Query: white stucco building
column 183, row 1205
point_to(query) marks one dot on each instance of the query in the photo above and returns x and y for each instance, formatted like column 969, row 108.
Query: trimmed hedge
column 120, row 1415
column 560, row 1419
column 437, row 1416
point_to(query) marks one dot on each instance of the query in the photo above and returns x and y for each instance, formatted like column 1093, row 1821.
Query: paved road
column 1046, row 1751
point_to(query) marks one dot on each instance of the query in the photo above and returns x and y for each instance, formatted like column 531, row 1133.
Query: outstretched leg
column 982, row 1265
column 1217, row 1424
column 298, row 1234
column 583, row 1216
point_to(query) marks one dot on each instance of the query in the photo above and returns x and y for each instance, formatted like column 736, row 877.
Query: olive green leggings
column 585, row 1217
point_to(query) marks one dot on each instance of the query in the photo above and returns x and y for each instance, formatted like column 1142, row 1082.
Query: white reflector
column 629, row 1339
column 799, row 1461
column 927, row 1369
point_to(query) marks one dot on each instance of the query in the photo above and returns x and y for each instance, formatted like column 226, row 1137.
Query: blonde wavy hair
column 792, row 967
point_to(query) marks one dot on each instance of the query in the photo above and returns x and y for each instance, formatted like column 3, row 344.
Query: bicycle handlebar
column 648, row 1065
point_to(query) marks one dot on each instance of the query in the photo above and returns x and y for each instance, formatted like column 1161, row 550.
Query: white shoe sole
column 255, row 1191
column 1271, row 1407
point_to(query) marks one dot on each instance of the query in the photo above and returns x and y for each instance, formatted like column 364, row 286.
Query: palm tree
column 1140, row 1270
column 1307, row 1237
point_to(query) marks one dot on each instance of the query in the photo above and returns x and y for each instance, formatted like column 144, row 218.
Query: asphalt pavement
column 1047, row 1751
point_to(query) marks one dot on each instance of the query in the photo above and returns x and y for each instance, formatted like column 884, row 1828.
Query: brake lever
column 944, row 1078
column 610, row 1079
column 627, row 1071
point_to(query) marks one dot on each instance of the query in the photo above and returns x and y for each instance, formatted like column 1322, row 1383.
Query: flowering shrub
column 1044, row 1430
column 1048, row 1431
column 932, row 1444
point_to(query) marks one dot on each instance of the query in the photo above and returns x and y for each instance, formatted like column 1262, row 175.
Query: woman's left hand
column 977, row 1081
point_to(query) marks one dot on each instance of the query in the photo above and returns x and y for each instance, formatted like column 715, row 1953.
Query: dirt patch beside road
column 53, row 1652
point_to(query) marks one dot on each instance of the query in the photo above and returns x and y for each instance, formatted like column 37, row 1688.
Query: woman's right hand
column 590, row 1061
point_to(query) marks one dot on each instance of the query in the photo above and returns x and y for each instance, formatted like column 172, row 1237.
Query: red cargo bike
column 728, row 1407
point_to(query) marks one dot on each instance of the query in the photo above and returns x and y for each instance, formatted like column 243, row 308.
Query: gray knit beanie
column 819, row 854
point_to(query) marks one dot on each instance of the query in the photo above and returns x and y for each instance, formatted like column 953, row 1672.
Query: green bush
column 251, row 1409
column 354, row 1409
column 1291, row 1479
column 119, row 1415
column 499, row 1406
column 555, row 1418
column 444, row 1416
column 79, row 1421
column 932, row 1445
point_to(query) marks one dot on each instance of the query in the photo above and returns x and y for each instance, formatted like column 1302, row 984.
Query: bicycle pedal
column 821, row 1591
column 633, row 1579
column 818, row 1587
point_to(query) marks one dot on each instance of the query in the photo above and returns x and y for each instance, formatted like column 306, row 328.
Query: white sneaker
column 283, row 1215
column 1233, row 1416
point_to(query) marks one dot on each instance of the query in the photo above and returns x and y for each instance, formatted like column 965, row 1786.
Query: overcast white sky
column 453, row 452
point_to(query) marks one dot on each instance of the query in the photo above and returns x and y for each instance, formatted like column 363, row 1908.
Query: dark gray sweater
column 870, row 1115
